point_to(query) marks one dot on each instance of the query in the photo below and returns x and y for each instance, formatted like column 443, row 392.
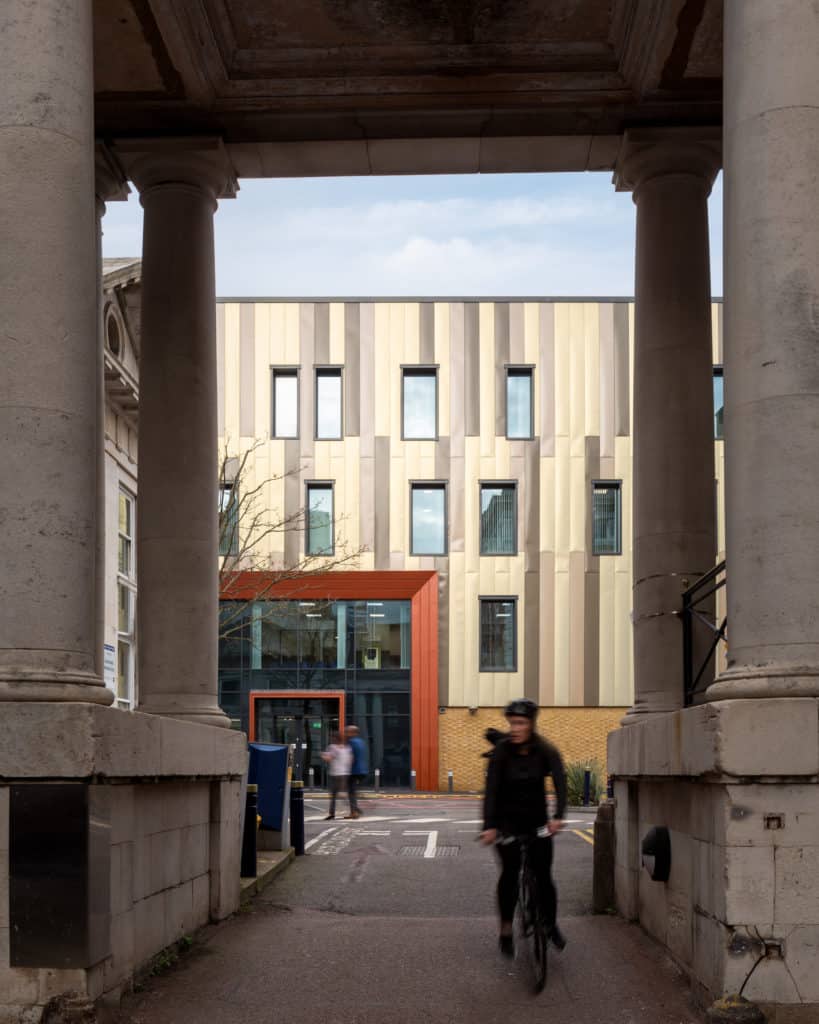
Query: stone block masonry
column 172, row 835
column 579, row 733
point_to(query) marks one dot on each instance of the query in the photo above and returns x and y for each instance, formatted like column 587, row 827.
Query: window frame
column 618, row 486
column 520, row 370
column 325, row 485
column 327, row 370
column 492, row 554
column 420, row 370
column 233, row 550
column 499, row 599
column 438, row 485
column 285, row 370
column 127, row 582
column 718, row 370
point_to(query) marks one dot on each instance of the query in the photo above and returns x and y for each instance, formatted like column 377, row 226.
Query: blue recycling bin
column 268, row 771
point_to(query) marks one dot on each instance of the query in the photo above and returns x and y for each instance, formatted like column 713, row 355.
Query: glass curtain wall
column 359, row 647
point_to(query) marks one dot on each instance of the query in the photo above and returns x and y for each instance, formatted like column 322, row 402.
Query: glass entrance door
column 303, row 721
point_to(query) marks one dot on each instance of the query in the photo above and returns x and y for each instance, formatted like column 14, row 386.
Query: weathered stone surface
column 734, row 1010
column 89, row 740
column 71, row 1008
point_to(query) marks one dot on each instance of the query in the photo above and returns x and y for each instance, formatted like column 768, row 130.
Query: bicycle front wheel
column 531, row 943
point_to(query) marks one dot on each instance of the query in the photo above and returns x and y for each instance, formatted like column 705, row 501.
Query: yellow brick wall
column 579, row 733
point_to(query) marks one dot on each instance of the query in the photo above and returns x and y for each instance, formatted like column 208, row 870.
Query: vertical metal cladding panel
column 501, row 361
column 622, row 381
column 426, row 349
column 220, row 368
column 247, row 369
column 382, row 503
column 321, row 353
column 472, row 370
column 425, row 685
column 352, row 368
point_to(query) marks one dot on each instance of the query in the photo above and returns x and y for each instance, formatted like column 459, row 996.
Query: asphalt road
column 390, row 919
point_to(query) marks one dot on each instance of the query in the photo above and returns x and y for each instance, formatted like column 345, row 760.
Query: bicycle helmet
column 524, row 707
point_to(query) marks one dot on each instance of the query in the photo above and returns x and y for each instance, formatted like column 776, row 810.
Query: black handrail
column 706, row 586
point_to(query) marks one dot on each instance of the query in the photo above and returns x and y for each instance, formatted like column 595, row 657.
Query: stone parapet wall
column 736, row 783
column 579, row 733
column 172, row 843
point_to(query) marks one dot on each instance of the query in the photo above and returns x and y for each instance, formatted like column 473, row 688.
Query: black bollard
column 586, row 787
column 297, row 816
column 248, row 869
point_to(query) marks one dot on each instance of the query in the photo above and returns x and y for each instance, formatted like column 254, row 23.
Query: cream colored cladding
column 573, row 607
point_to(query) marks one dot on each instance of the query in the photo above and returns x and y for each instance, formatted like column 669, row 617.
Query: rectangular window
column 126, row 534
column 328, row 404
column 719, row 404
column 126, row 600
column 286, row 402
column 428, row 527
column 519, row 404
column 420, row 403
column 319, row 519
column 498, row 634
column 499, row 519
column 606, row 538
column 228, row 519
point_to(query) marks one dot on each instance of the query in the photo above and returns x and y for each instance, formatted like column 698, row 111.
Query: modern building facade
column 484, row 444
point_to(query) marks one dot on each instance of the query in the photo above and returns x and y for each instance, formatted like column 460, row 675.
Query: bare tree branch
column 246, row 526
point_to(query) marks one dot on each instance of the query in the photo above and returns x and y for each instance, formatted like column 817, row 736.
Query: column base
column 736, row 784
column 74, row 687
column 749, row 682
column 636, row 714
column 179, row 707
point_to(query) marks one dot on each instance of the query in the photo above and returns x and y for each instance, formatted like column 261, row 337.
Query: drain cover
column 447, row 851
column 412, row 851
column 419, row 851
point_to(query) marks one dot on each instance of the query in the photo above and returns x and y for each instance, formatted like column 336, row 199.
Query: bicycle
column 529, row 927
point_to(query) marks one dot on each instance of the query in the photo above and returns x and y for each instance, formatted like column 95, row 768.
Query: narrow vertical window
column 420, row 403
column 719, row 404
column 428, row 529
column 328, row 404
column 319, row 519
column 519, row 405
column 606, row 530
column 228, row 519
column 286, row 402
column 126, row 600
column 498, row 634
column 499, row 519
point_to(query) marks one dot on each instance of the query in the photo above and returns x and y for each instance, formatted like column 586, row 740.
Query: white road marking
column 432, row 840
column 422, row 821
column 424, row 833
column 373, row 833
column 319, row 837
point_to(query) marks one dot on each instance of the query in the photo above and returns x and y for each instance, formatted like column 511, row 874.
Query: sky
column 447, row 235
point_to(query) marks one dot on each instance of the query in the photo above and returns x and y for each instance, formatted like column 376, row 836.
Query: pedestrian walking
column 339, row 758
column 359, row 768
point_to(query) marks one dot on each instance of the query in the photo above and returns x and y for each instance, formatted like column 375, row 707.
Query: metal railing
column 692, row 612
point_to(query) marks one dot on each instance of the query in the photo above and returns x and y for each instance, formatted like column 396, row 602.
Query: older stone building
column 185, row 99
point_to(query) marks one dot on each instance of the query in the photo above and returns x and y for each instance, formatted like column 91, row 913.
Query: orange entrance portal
column 421, row 589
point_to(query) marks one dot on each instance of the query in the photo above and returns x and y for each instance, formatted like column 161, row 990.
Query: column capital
column 201, row 163
column 110, row 183
column 648, row 153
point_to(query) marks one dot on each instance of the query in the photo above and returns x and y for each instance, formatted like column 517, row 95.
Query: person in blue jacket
column 359, row 769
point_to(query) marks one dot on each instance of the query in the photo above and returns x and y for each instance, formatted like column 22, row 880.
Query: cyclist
column 515, row 805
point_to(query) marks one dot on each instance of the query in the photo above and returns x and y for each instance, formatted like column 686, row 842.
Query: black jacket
column 515, row 799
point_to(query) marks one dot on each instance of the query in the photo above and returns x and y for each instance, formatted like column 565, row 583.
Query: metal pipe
column 377, row 778
column 413, row 780
column 450, row 778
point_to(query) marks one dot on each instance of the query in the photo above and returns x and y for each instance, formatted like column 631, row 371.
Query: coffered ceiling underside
column 261, row 72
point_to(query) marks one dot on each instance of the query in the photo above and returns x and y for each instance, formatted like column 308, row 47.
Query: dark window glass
column 606, row 538
column 428, row 519
column 498, row 635
column 319, row 519
column 519, row 406
column 228, row 519
column 420, row 404
column 719, row 403
column 286, row 403
column 498, row 519
column 328, row 404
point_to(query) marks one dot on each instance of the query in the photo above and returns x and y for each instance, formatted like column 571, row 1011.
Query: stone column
column 771, row 136
column 674, row 511
column 48, row 379
column 180, row 182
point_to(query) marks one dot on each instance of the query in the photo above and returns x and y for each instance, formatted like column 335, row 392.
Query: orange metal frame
column 255, row 695
column 421, row 588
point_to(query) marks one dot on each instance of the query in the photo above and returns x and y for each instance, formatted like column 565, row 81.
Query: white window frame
column 126, row 581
